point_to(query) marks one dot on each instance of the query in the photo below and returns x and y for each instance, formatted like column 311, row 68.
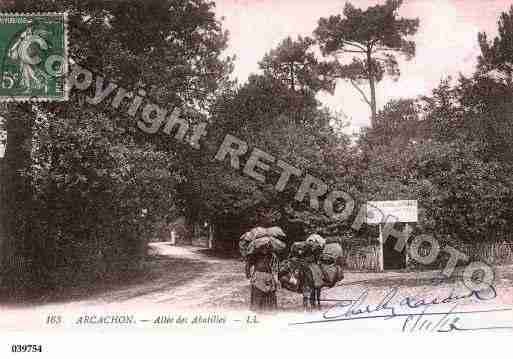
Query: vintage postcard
column 263, row 169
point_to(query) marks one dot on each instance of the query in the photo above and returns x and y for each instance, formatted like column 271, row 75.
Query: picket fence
column 365, row 257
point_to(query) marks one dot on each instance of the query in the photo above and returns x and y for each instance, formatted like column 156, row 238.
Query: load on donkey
column 310, row 265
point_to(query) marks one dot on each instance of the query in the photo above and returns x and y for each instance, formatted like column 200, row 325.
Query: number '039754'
column 24, row 348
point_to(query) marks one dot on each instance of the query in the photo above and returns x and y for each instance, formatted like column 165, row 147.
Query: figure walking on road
column 261, row 270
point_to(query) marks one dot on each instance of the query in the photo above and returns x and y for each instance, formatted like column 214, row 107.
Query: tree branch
column 354, row 44
column 353, row 51
column 361, row 92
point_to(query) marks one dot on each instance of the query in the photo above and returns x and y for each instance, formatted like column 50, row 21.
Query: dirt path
column 192, row 278
column 219, row 277
column 223, row 285
column 177, row 277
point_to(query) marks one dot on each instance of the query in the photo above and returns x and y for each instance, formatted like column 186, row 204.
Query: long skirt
column 262, row 300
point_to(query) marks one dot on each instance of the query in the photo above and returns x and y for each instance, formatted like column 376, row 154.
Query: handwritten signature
column 414, row 311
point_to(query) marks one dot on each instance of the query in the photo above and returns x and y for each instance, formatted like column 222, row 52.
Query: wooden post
column 381, row 259
column 173, row 237
column 406, row 246
column 210, row 236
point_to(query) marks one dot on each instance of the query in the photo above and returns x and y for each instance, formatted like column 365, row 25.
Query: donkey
column 310, row 290
column 313, row 277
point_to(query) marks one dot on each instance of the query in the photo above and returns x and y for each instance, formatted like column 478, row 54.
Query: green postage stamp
column 33, row 57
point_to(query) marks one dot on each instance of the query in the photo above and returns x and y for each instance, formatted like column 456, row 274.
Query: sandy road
column 195, row 278
column 222, row 284
column 216, row 279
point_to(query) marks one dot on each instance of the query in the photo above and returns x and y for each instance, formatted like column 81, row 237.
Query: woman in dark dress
column 261, row 270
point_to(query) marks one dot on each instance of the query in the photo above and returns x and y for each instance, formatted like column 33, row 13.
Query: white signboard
column 391, row 211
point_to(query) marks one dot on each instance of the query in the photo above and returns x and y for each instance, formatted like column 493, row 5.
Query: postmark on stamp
column 33, row 57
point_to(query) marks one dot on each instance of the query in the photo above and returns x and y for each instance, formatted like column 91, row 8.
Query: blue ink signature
column 448, row 322
column 389, row 307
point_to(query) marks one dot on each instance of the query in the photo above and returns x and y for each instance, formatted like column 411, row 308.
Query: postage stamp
column 33, row 57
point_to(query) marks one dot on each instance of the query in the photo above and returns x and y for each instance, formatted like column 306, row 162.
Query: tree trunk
column 15, row 185
column 47, row 256
column 372, row 84
column 3, row 234
column 292, row 75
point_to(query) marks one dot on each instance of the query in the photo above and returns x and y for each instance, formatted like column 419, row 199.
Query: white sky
column 446, row 41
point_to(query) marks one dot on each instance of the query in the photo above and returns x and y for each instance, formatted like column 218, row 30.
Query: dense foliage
column 81, row 185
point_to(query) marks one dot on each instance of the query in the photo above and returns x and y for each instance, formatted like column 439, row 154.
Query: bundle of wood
column 330, row 262
column 259, row 238
column 312, row 262
column 316, row 239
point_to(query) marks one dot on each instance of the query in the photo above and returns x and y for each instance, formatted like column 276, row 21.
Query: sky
column 446, row 42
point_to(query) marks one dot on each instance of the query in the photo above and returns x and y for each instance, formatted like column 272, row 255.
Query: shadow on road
column 215, row 254
column 157, row 273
